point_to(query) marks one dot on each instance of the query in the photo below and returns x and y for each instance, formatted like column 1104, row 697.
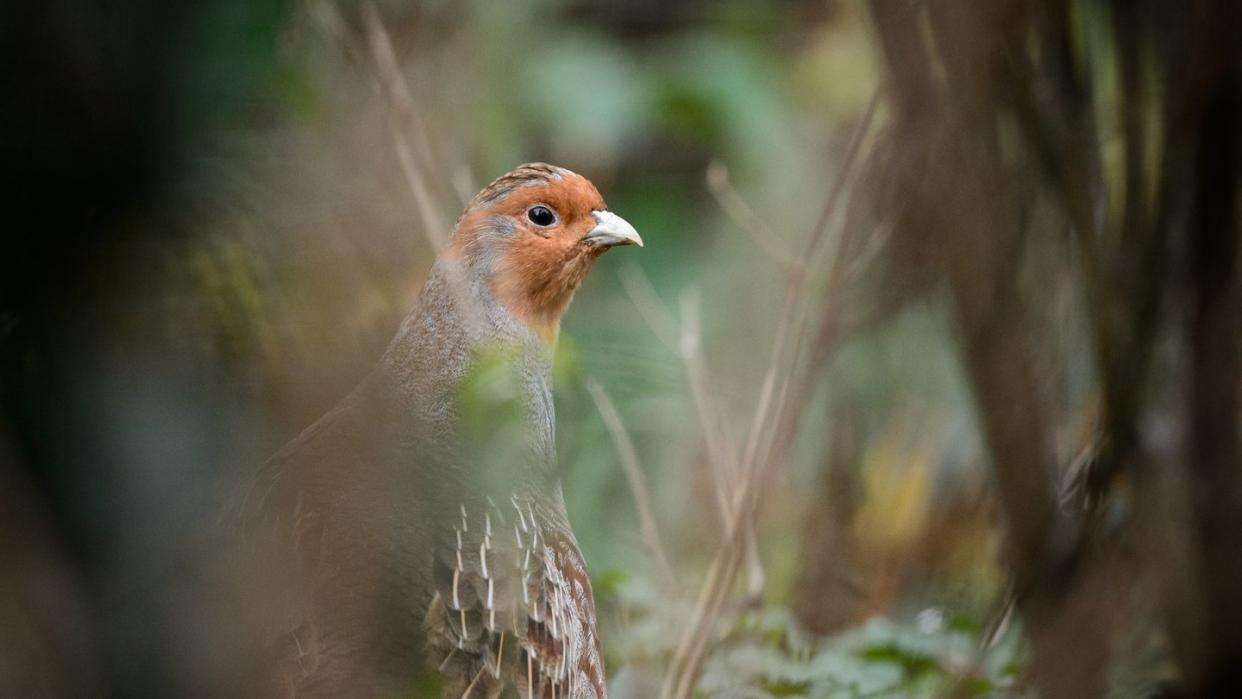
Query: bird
column 408, row 538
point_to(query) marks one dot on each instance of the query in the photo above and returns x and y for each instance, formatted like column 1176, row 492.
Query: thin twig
column 433, row 220
column 727, row 475
column 649, row 306
column 720, row 451
column 838, row 188
column 633, row 474
column 436, row 227
column 743, row 216
column 688, row 658
column 683, row 338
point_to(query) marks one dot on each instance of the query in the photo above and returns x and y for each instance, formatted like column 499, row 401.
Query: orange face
column 535, row 233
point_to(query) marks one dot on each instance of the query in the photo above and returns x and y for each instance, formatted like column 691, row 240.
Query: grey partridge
column 404, row 551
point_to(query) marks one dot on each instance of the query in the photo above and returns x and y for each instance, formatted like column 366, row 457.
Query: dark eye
column 541, row 216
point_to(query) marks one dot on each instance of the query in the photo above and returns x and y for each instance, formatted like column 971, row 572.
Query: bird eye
column 541, row 216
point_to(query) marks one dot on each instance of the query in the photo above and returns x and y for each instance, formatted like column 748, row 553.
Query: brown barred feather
column 534, row 597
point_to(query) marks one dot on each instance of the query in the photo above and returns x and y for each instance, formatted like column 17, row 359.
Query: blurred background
column 925, row 384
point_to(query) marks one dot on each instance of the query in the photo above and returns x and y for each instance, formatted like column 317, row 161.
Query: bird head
column 532, row 235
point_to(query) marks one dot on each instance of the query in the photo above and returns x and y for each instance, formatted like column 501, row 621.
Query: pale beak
column 611, row 230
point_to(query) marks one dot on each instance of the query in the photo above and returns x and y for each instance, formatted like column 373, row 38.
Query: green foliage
column 493, row 417
column 491, row 392
column 765, row 653
column 236, row 59
column 881, row 658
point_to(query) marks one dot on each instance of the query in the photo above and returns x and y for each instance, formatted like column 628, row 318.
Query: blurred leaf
column 607, row 584
column 584, row 88
column 898, row 490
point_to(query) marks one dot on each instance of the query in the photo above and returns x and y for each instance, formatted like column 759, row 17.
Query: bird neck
column 475, row 379
column 536, row 288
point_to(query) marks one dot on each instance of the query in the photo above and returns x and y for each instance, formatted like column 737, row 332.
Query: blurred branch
column 1214, row 448
column 685, row 339
column 418, row 161
column 633, row 475
column 972, row 215
column 821, row 229
column 743, row 216
column 415, row 160
column 827, row 595
column 1127, row 262
column 782, row 398
column 649, row 306
column 716, row 436
column 842, row 271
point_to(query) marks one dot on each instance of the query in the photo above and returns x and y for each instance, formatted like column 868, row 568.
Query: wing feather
column 514, row 610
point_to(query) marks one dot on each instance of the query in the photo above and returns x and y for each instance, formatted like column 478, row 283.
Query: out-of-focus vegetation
column 802, row 363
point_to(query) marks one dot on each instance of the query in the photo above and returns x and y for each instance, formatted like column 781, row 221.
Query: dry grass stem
column 434, row 223
column 645, row 299
column 743, row 215
column 716, row 436
column 770, row 434
column 634, row 476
